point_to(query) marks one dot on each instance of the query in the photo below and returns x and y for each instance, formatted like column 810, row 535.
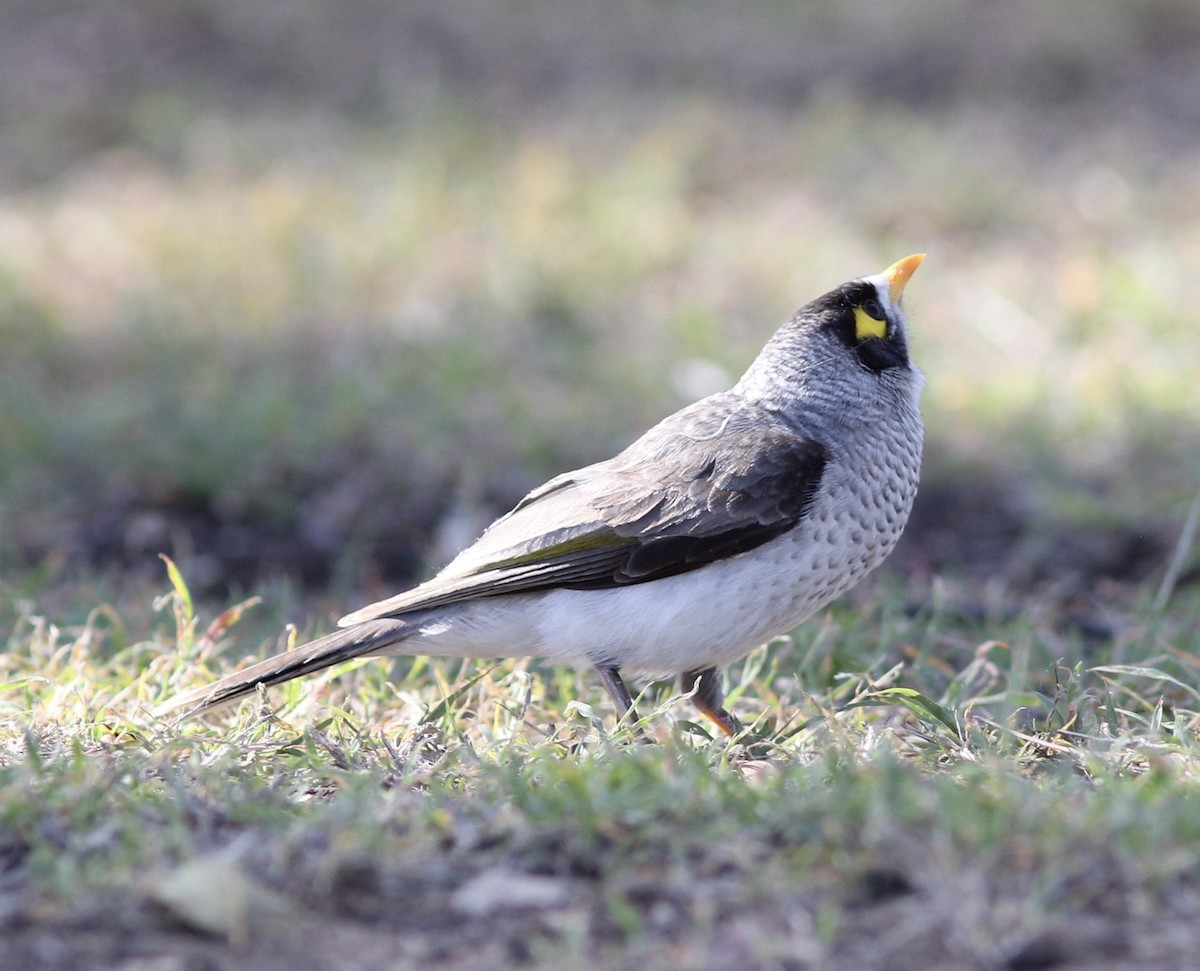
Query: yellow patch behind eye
column 867, row 326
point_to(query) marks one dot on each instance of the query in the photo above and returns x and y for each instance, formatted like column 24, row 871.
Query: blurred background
column 304, row 293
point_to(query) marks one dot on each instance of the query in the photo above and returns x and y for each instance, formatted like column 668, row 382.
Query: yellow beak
column 898, row 273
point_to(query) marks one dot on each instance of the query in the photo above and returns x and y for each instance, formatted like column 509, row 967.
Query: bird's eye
column 873, row 309
column 870, row 320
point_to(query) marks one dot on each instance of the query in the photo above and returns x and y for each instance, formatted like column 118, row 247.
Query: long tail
column 341, row 645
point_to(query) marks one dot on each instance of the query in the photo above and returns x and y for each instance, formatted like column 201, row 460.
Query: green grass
column 999, row 781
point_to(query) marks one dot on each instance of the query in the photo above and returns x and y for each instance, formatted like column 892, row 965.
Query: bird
column 726, row 524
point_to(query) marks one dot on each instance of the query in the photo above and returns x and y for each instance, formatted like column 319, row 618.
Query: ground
column 299, row 298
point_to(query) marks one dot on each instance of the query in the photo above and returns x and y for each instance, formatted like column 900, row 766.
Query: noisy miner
column 725, row 524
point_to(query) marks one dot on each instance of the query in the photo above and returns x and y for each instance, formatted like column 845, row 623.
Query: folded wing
column 714, row 480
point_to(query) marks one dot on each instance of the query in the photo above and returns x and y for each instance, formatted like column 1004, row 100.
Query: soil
column 971, row 529
column 890, row 921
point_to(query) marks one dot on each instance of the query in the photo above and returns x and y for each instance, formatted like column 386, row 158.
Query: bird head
column 866, row 318
column 844, row 344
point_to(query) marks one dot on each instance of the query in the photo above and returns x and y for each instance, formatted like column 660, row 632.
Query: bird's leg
column 707, row 697
column 610, row 674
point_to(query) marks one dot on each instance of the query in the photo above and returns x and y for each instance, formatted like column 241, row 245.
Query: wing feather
column 715, row 480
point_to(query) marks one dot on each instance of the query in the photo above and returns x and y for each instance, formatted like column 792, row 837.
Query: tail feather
column 341, row 645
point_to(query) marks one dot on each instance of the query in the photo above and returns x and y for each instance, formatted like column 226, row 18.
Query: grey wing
column 714, row 480
column 736, row 480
